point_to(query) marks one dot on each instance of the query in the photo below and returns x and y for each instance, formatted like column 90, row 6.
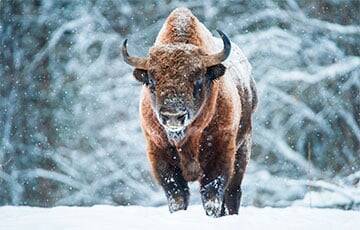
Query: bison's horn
column 215, row 59
column 137, row 62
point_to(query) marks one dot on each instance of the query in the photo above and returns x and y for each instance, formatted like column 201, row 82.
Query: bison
column 196, row 107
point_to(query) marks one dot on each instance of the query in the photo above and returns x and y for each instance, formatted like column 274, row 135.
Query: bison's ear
column 215, row 71
column 141, row 75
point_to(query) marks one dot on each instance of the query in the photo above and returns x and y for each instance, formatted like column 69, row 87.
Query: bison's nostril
column 181, row 118
column 173, row 119
column 165, row 118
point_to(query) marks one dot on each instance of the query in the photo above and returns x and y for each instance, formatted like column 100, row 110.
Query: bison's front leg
column 176, row 189
column 217, row 164
column 212, row 195
column 165, row 167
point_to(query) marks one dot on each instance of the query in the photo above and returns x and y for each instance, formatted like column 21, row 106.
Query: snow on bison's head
column 179, row 76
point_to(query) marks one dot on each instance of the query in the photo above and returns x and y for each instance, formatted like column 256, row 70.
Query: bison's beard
column 176, row 137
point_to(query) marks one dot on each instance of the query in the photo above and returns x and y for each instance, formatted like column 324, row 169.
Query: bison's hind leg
column 232, row 199
column 233, row 190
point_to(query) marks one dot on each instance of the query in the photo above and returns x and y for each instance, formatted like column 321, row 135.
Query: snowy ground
column 135, row 217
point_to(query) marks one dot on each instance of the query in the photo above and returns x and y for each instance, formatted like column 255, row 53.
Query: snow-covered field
column 136, row 217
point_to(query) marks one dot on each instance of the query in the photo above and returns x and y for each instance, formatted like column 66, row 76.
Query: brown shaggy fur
column 218, row 142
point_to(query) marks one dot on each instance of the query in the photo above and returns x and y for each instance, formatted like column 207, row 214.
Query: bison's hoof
column 213, row 207
column 177, row 203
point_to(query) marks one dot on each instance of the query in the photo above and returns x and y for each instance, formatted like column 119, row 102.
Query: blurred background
column 69, row 125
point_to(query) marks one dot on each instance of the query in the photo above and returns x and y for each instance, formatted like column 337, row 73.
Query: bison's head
column 179, row 77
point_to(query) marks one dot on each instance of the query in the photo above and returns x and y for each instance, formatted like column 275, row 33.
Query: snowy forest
column 69, row 124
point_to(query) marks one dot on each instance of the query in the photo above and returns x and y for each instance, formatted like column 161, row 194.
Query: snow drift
column 140, row 218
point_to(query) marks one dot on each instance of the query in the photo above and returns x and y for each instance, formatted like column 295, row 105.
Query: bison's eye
column 151, row 84
column 198, row 85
